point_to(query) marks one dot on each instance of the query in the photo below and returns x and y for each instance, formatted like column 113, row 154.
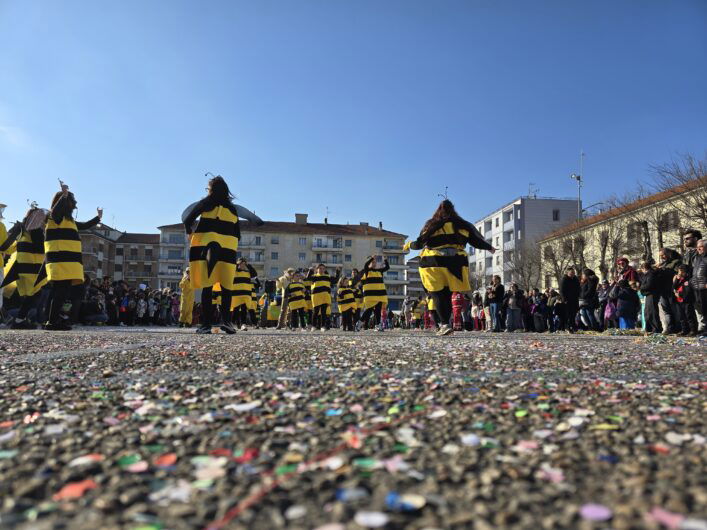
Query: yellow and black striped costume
column 212, row 255
column 295, row 296
column 307, row 294
column 444, row 262
column 252, row 305
column 358, row 296
column 62, row 247
column 374, row 291
column 345, row 299
column 25, row 264
column 243, row 289
column 321, row 288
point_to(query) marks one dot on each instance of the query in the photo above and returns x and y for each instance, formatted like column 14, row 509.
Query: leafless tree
column 525, row 266
column 556, row 257
column 684, row 180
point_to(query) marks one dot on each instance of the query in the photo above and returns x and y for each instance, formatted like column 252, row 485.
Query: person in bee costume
column 346, row 301
column 7, row 240
column 375, row 295
column 295, row 293
column 243, row 292
column 25, row 264
column 62, row 249
column 186, row 301
column 444, row 263
column 321, row 294
column 213, row 244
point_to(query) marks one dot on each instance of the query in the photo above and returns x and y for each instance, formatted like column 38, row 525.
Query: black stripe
column 64, row 256
column 377, row 292
column 295, row 298
column 240, row 292
column 346, row 300
column 27, row 268
column 30, row 248
column 225, row 228
column 241, row 279
column 199, row 254
column 65, row 234
column 377, row 279
column 445, row 240
column 448, row 262
column 321, row 289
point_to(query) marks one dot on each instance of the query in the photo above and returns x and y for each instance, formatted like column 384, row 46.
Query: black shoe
column 22, row 324
column 57, row 327
column 203, row 330
column 228, row 328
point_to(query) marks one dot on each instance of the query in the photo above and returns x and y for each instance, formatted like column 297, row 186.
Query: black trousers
column 688, row 320
column 376, row 310
column 207, row 306
column 320, row 319
column 297, row 318
column 443, row 303
column 240, row 315
column 572, row 307
column 653, row 324
column 347, row 320
column 28, row 302
column 60, row 292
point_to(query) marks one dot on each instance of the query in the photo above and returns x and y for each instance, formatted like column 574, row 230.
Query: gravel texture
column 108, row 428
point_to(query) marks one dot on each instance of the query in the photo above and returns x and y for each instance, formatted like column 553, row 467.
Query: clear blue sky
column 368, row 107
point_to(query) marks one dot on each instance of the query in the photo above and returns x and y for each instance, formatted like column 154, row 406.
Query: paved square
column 105, row 428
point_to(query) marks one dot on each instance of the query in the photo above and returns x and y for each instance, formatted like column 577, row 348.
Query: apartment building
column 98, row 250
column 413, row 288
column 514, row 226
column 136, row 258
column 276, row 246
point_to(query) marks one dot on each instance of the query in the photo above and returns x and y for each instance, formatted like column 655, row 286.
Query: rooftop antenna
column 445, row 197
column 533, row 190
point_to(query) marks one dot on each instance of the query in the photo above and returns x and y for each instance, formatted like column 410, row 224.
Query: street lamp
column 579, row 179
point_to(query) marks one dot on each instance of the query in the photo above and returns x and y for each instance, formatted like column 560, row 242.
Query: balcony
column 509, row 226
column 251, row 242
column 398, row 266
column 509, row 245
column 393, row 248
column 326, row 248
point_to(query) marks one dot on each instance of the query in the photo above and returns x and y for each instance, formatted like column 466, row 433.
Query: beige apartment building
column 636, row 230
column 276, row 246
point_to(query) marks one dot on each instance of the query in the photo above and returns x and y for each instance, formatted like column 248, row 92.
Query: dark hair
column 646, row 265
column 445, row 212
column 68, row 206
column 218, row 189
column 693, row 232
column 588, row 272
column 683, row 267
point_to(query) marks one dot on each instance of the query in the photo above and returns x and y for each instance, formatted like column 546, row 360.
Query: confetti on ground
column 166, row 429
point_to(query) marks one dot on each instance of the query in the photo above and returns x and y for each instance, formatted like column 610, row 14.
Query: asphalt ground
column 162, row 428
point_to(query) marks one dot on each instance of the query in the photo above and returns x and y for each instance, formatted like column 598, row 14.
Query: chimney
column 301, row 218
column 380, row 225
column 364, row 224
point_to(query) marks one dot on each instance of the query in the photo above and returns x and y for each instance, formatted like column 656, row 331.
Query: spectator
column 651, row 288
column 685, row 298
column 668, row 268
column 603, row 299
column 496, row 297
column 513, row 302
column 625, row 271
column 588, row 298
column 570, row 289
column 699, row 280
column 628, row 304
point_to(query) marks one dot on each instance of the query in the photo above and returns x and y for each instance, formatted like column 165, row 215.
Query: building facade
column 637, row 231
column 512, row 228
column 276, row 246
column 413, row 288
column 136, row 259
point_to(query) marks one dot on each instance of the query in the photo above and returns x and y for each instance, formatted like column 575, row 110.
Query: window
column 148, row 253
column 518, row 214
column 347, row 257
column 273, row 255
column 257, row 241
column 174, row 253
column 175, row 238
column 379, row 244
column 174, row 270
column 498, row 260
column 118, row 267
column 259, row 256
column 319, row 258
column 147, row 267
column 100, row 264
column 337, row 243
column 118, row 251
column 348, row 242
column 496, row 222
column 302, row 256
column 319, row 242
column 133, row 253
column 472, row 251
column 393, row 275
column 274, row 271
column 556, row 215
column 303, row 241
column 518, row 234
column 100, row 247
column 394, row 260
column 472, row 266
column 496, row 241
column 669, row 221
column 274, row 240
column 567, row 246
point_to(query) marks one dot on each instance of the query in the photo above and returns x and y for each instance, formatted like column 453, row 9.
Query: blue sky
column 366, row 107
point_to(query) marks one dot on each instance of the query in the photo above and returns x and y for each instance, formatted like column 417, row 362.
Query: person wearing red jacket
column 625, row 271
column 457, row 309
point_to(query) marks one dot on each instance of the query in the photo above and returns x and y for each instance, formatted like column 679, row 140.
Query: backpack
column 610, row 311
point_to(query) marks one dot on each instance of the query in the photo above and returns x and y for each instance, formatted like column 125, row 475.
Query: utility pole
column 579, row 178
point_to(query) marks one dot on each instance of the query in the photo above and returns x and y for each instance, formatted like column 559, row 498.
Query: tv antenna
column 533, row 190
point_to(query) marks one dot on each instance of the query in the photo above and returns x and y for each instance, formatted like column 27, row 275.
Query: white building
column 276, row 246
column 515, row 225
column 414, row 288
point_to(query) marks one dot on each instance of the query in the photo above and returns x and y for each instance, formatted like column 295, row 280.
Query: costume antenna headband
column 445, row 193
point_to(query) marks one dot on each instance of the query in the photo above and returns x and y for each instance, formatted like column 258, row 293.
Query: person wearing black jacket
column 651, row 287
column 685, row 297
column 570, row 290
column 588, row 298
column 495, row 297
column 699, row 280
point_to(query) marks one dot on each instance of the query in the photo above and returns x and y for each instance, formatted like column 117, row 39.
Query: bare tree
column 556, row 257
column 684, row 180
column 525, row 265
